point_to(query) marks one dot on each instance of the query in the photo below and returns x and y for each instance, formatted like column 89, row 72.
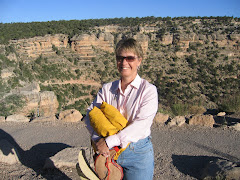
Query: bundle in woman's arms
column 107, row 121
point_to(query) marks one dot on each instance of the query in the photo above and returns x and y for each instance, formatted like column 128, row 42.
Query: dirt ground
column 180, row 152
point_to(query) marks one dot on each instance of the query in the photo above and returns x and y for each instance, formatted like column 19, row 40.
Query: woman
column 137, row 100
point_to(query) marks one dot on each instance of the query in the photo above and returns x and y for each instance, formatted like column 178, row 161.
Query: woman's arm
column 100, row 143
column 141, row 123
column 97, row 102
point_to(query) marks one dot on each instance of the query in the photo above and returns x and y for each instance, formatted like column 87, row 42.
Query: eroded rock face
column 83, row 44
column 34, row 47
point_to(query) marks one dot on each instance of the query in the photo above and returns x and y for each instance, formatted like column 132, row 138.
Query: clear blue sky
column 48, row 10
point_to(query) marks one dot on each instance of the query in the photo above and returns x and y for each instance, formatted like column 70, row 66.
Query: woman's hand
column 102, row 147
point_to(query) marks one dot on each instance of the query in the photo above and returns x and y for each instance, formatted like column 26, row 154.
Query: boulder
column 221, row 169
column 2, row 119
column 70, row 115
column 68, row 157
column 221, row 114
column 202, row 120
column 8, row 153
column 236, row 126
column 177, row 121
column 161, row 118
column 17, row 118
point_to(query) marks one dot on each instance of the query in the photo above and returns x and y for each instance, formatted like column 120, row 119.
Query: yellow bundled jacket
column 114, row 116
column 100, row 123
column 107, row 121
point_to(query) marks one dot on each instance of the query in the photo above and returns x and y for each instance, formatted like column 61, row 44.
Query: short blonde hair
column 129, row 44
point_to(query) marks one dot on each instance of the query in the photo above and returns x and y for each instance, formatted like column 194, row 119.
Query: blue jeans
column 137, row 160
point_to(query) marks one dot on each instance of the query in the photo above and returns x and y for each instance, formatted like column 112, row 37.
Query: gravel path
column 180, row 152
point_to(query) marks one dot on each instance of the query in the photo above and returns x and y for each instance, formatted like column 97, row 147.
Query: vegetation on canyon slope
column 205, row 76
column 27, row 30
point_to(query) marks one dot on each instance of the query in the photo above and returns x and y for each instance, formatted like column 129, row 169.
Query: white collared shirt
column 138, row 104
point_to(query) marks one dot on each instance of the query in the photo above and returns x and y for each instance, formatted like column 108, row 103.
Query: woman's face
column 127, row 64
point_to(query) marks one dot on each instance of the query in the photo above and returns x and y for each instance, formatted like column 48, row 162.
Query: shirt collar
column 135, row 83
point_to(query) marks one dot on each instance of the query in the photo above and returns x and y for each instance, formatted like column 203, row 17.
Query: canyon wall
column 34, row 47
column 83, row 45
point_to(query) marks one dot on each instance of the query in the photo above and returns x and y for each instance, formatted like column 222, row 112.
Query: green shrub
column 179, row 109
column 5, row 62
column 10, row 49
column 230, row 103
column 11, row 104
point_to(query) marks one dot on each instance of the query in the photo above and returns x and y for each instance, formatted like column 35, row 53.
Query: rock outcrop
column 84, row 44
column 34, row 47
column 37, row 103
column 143, row 40
column 40, row 103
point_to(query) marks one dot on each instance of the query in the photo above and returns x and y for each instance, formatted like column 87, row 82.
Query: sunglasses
column 128, row 58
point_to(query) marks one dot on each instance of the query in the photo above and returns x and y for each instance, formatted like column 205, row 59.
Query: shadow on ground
column 36, row 156
column 192, row 165
column 226, row 120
